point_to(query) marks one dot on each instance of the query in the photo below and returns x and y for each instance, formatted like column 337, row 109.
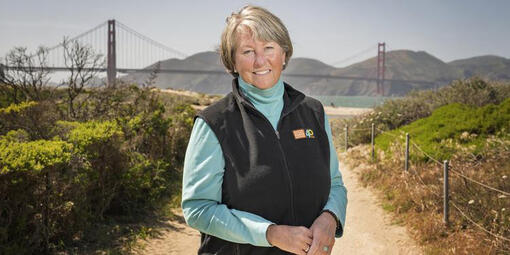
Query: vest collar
column 291, row 97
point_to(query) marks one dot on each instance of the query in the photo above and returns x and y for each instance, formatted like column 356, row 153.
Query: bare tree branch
column 151, row 80
column 25, row 74
column 81, row 61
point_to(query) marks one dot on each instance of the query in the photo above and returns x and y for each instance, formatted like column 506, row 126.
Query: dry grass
column 415, row 197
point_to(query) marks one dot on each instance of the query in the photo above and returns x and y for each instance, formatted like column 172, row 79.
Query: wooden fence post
column 346, row 137
column 373, row 148
column 406, row 166
column 445, row 194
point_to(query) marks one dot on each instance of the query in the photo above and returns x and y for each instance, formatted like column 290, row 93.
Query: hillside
column 489, row 67
column 400, row 65
column 204, row 83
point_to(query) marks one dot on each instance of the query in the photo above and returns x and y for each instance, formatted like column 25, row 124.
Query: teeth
column 262, row 72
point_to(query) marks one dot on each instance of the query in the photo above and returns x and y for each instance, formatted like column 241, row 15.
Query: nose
column 260, row 60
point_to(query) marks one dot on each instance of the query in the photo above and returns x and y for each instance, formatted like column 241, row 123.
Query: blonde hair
column 263, row 25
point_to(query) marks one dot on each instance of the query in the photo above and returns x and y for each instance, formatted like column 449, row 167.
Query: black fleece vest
column 282, row 176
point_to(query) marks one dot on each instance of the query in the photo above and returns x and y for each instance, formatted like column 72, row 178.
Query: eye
column 247, row 52
column 269, row 47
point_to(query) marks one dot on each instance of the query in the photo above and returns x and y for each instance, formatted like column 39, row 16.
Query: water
column 352, row 101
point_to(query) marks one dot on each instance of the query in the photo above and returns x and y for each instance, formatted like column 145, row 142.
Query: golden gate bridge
column 128, row 51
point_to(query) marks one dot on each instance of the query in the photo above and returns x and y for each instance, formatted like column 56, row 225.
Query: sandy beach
column 345, row 111
column 332, row 112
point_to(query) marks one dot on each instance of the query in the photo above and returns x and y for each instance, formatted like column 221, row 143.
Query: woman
column 261, row 173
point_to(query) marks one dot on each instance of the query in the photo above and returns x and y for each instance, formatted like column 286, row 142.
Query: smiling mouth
column 262, row 72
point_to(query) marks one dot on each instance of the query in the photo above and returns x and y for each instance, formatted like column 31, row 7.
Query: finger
column 330, row 248
column 306, row 248
column 314, row 247
column 310, row 251
column 331, row 244
column 308, row 241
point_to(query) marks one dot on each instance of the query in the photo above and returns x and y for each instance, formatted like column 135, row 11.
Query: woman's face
column 259, row 63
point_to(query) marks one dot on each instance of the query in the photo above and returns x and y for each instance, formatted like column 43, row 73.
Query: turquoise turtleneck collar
column 262, row 96
column 267, row 101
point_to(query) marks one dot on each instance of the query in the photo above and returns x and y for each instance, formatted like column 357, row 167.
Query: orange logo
column 299, row 134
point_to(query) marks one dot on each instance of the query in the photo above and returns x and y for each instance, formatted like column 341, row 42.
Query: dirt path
column 368, row 229
column 175, row 238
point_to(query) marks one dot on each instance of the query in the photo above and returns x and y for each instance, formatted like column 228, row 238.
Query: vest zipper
column 237, row 250
column 291, row 180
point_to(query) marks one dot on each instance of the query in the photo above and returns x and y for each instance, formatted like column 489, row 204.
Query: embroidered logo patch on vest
column 303, row 133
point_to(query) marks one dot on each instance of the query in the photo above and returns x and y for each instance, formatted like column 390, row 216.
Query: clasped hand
column 303, row 241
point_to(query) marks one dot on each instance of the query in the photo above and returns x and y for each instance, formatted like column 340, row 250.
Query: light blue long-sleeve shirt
column 203, row 177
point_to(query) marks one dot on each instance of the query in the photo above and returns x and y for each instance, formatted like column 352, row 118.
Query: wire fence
column 447, row 168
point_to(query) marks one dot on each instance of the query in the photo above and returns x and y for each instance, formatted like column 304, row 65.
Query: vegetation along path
column 369, row 229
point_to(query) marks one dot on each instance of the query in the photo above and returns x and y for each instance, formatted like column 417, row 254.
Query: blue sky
column 329, row 31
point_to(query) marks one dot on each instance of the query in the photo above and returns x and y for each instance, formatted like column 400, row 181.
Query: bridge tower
column 381, row 59
column 111, row 69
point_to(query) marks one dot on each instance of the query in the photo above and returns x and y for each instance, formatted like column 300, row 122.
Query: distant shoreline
column 331, row 111
column 345, row 111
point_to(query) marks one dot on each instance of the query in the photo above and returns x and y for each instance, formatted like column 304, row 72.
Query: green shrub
column 88, row 134
column 157, row 142
column 450, row 128
column 10, row 96
column 149, row 132
column 416, row 105
column 17, row 108
column 59, row 178
column 19, row 135
column 182, row 122
column 33, row 207
column 33, row 156
column 37, row 118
